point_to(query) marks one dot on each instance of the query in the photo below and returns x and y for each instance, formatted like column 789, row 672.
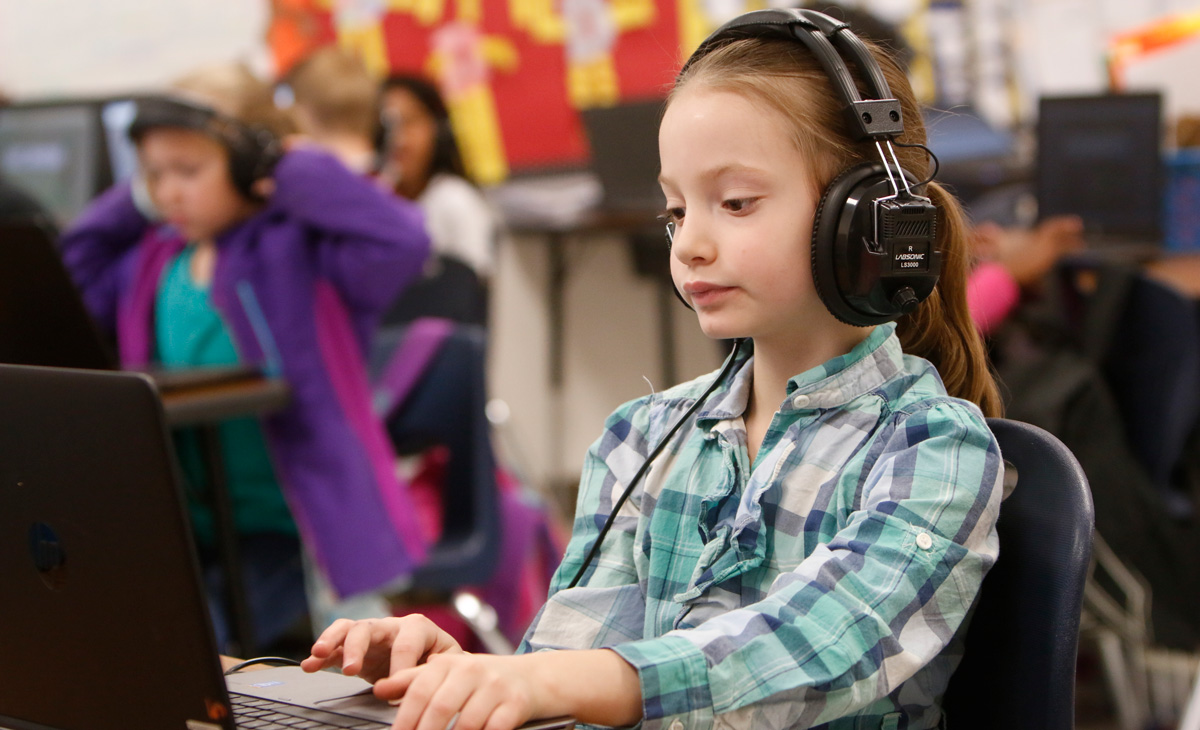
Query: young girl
column 231, row 250
column 805, row 550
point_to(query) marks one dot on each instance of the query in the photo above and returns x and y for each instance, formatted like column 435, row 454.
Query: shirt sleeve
column 609, row 606
column 462, row 224
column 372, row 243
column 859, row 615
column 992, row 294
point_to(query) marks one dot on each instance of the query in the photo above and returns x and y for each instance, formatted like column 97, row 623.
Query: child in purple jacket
column 231, row 249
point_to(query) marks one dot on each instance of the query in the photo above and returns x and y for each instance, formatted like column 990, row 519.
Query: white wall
column 52, row 48
column 611, row 348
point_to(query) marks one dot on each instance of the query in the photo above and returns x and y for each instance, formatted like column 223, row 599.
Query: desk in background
column 204, row 407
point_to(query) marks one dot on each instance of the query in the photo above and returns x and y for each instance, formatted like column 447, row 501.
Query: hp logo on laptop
column 48, row 555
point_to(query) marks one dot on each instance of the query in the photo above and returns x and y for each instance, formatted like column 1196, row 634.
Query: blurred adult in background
column 335, row 104
column 421, row 161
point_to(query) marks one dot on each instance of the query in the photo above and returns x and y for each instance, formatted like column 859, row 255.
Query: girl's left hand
column 486, row 692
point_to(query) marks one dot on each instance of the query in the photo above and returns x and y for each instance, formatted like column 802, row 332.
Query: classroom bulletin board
column 514, row 73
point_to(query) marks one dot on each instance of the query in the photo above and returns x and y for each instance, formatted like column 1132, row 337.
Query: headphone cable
column 937, row 165
column 612, row 516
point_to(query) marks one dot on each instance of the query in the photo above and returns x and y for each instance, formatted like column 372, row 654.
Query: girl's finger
column 394, row 687
column 420, row 685
column 356, row 645
column 452, row 693
column 485, row 708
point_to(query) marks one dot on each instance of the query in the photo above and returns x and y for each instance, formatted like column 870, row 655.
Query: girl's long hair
column 784, row 75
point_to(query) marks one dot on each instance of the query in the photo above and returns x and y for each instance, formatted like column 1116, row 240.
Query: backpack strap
column 422, row 340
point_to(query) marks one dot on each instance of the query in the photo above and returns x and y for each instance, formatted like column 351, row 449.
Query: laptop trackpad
column 326, row 691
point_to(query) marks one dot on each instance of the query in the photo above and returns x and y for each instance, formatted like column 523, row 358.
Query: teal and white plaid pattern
column 825, row 585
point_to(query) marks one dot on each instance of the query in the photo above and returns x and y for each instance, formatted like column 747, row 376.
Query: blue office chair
column 431, row 391
column 1018, row 670
column 445, row 406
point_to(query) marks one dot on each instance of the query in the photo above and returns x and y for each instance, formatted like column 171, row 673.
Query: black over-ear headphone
column 253, row 150
column 874, row 253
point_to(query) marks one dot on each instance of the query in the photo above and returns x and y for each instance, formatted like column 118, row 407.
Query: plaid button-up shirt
column 826, row 584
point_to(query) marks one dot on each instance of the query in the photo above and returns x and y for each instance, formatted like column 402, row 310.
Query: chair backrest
column 446, row 407
column 450, row 290
column 1156, row 333
column 1019, row 664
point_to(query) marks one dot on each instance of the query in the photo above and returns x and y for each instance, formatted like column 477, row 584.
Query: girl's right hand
column 377, row 648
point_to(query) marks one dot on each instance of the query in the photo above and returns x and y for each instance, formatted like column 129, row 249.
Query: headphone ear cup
column 253, row 156
column 829, row 244
column 860, row 280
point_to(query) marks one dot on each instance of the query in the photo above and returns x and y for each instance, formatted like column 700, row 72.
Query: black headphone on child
column 874, row 253
column 874, row 256
column 253, row 150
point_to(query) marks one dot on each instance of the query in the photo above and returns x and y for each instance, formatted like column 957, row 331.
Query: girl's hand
column 489, row 692
column 486, row 692
column 377, row 648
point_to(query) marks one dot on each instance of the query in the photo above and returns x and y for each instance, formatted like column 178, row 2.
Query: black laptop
column 104, row 623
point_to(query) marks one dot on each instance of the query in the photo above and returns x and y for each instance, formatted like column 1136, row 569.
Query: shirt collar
column 831, row 384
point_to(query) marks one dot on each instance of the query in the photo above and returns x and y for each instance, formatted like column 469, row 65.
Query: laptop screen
column 97, row 569
column 1100, row 157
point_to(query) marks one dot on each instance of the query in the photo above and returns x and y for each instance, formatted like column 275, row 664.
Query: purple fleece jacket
column 301, row 286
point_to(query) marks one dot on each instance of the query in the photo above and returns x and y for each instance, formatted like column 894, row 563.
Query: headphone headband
column 253, row 150
column 876, row 118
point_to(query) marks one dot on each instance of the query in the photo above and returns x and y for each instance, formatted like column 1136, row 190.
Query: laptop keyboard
column 255, row 713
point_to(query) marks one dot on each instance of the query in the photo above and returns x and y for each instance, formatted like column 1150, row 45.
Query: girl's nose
column 689, row 243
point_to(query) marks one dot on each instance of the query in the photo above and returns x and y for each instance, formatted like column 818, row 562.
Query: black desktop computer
column 64, row 153
column 1100, row 157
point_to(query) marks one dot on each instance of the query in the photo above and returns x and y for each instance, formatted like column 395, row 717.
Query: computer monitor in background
column 65, row 153
column 55, row 152
column 1100, row 157
column 624, row 145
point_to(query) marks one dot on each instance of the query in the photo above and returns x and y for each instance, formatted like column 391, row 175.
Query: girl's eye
column 739, row 205
column 673, row 218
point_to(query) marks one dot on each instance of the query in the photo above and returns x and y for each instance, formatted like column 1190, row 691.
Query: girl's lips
column 703, row 293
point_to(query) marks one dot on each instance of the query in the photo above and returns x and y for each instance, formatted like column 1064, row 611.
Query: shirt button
column 676, row 725
column 800, row 401
column 924, row 541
